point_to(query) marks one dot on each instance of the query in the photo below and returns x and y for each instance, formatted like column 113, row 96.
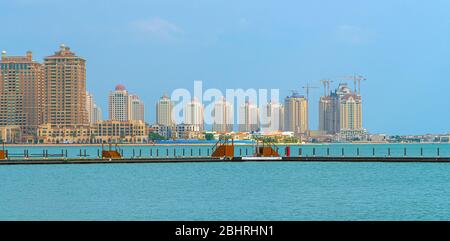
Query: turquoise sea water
column 227, row 191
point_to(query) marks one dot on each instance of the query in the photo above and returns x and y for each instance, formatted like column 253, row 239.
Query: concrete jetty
column 62, row 161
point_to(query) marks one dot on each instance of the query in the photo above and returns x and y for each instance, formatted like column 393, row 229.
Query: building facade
column 223, row 116
column 326, row 120
column 296, row 114
column 97, row 114
column 188, row 131
column 101, row 132
column 94, row 112
column 10, row 134
column 65, row 88
column 194, row 114
column 120, row 132
column 329, row 110
column 123, row 106
column 21, row 98
column 272, row 117
column 136, row 108
column 89, row 106
column 248, row 118
column 162, row 130
column 164, row 109
column 351, row 112
column 340, row 110
column 118, row 104
column 64, row 134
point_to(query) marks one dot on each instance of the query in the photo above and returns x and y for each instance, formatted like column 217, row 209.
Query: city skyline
column 125, row 106
column 72, row 67
column 402, row 48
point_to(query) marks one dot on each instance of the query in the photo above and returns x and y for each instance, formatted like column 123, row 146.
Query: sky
column 152, row 47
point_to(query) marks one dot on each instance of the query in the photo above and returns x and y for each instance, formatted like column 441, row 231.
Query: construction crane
column 356, row 80
column 326, row 86
column 307, row 88
column 294, row 92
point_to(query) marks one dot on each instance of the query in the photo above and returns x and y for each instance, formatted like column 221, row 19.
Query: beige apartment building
column 58, row 134
column 164, row 109
column 351, row 112
column 329, row 110
column 136, row 109
column 65, row 89
column 296, row 114
column 340, row 110
column 21, row 100
column 120, row 132
column 48, row 103
column 101, row 132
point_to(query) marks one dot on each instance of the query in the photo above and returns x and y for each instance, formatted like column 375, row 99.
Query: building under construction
column 340, row 110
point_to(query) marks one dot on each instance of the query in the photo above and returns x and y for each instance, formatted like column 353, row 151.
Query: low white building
column 348, row 135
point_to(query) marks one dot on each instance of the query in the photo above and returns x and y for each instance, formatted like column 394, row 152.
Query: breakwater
column 56, row 161
column 91, row 154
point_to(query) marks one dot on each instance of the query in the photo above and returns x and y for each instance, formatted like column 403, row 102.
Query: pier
column 223, row 151
column 56, row 161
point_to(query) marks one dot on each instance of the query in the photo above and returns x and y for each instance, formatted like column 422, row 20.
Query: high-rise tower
column 340, row 110
column 296, row 114
column 93, row 110
column 164, row 109
column 223, row 116
column 21, row 82
column 193, row 114
column 118, row 104
column 273, row 115
column 65, row 88
column 248, row 118
column 136, row 108
column 351, row 112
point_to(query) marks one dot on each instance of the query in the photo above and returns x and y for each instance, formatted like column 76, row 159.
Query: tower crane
column 326, row 86
column 307, row 88
column 356, row 80
column 294, row 92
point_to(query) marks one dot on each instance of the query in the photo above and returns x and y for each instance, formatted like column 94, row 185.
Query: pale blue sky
column 401, row 47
